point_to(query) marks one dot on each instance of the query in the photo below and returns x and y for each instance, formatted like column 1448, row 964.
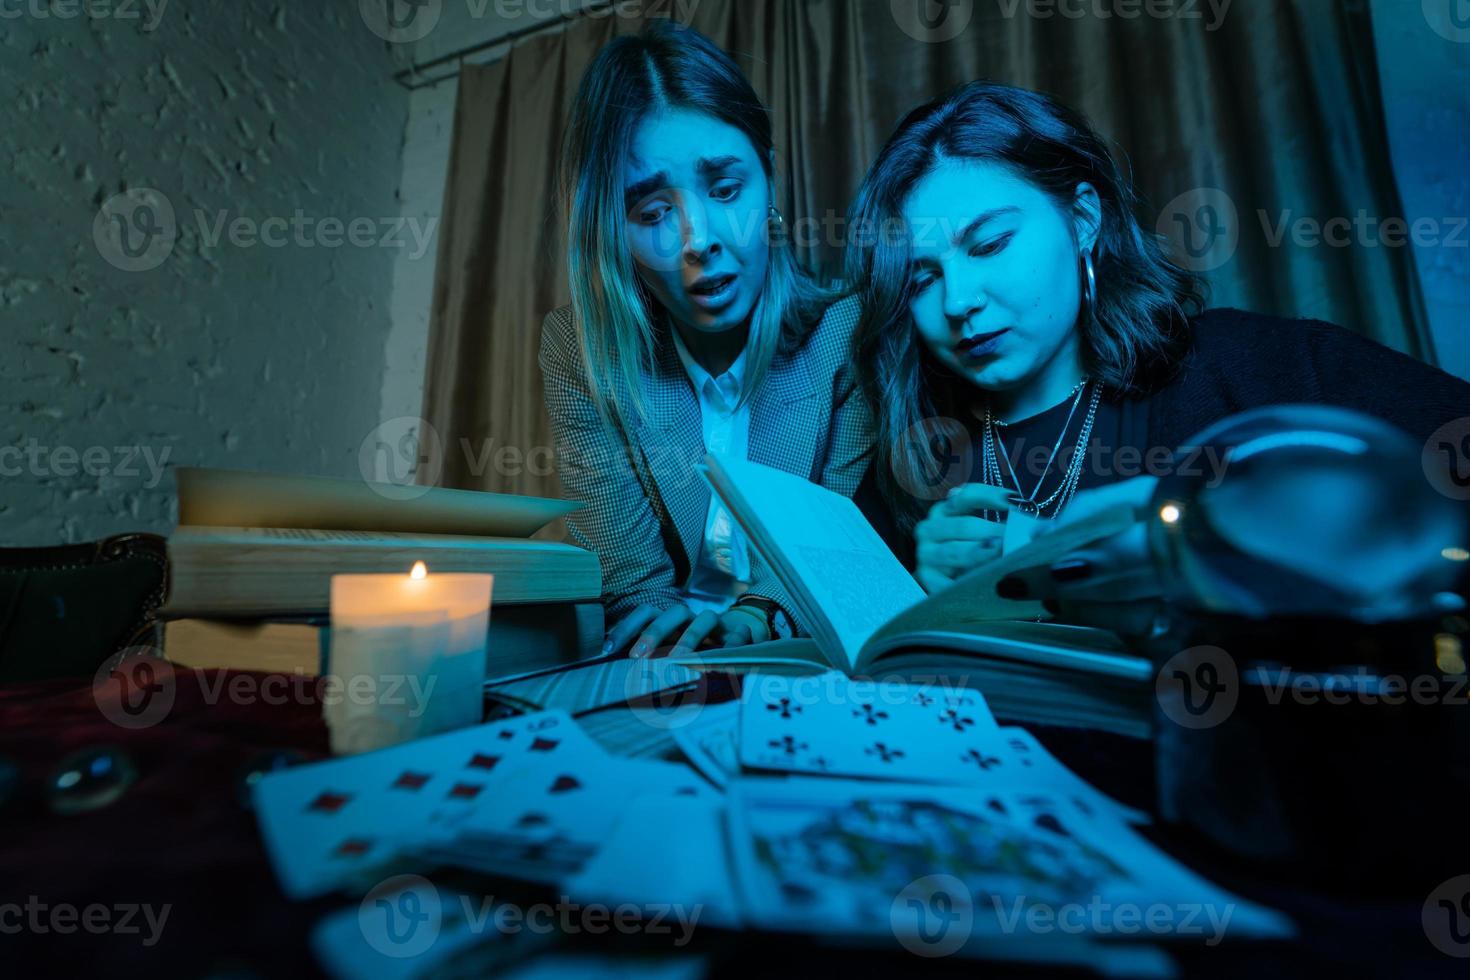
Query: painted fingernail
column 640, row 649
column 607, row 647
column 1012, row 587
column 1071, row 569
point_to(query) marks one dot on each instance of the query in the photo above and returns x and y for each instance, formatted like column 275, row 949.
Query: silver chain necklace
column 1027, row 503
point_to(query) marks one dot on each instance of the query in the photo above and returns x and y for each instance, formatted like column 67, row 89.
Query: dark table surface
column 181, row 838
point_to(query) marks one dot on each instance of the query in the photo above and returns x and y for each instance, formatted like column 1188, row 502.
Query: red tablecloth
column 178, row 838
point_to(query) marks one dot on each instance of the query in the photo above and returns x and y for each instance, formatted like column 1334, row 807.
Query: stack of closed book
column 252, row 560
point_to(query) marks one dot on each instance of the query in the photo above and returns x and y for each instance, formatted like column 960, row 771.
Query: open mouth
column 712, row 285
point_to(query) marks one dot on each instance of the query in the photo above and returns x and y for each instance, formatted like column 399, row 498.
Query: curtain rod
column 410, row 77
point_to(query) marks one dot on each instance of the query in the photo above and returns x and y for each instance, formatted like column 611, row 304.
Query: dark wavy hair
column 1139, row 323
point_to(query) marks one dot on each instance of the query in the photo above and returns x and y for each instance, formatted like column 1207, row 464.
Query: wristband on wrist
column 778, row 624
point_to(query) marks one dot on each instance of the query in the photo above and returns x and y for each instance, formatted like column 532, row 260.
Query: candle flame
column 420, row 570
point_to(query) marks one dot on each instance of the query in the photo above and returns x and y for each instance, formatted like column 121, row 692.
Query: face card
column 838, row 855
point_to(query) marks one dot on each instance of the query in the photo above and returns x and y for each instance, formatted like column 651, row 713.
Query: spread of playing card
column 813, row 803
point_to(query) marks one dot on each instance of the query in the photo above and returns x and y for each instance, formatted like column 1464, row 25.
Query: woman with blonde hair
column 691, row 329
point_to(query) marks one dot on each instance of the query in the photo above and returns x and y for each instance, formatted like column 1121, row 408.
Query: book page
column 822, row 548
column 234, row 498
column 972, row 599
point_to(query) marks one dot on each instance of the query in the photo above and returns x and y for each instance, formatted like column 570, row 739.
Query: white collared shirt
column 722, row 572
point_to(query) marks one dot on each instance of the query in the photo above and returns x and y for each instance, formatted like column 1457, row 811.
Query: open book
column 869, row 617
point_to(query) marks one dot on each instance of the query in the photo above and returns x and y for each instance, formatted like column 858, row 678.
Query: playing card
column 553, row 818
column 1042, row 769
column 711, row 742
column 407, row 928
column 832, row 725
column 842, row 855
column 691, row 872
column 330, row 823
column 900, row 732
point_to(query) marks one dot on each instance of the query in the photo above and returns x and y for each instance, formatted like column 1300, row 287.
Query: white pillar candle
column 407, row 656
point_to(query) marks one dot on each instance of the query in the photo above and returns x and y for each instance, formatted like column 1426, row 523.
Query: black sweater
column 1236, row 361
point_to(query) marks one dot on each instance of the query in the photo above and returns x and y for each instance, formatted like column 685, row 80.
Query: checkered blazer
column 645, row 503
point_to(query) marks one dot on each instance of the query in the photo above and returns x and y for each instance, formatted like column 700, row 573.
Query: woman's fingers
column 957, row 557
column 1136, row 492
column 1116, row 569
column 661, row 628
column 950, row 543
column 628, row 627
column 942, row 528
column 931, row 579
column 695, row 633
column 738, row 636
column 972, row 498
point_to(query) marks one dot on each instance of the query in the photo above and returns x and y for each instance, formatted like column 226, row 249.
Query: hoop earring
column 776, row 229
column 1089, row 286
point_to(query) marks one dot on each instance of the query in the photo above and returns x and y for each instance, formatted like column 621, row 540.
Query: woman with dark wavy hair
column 1023, row 340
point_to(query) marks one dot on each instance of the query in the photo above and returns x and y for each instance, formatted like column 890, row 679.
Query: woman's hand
column 655, row 628
column 1111, row 583
column 953, row 539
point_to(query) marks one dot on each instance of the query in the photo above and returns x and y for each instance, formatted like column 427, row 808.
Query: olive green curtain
column 1240, row 131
